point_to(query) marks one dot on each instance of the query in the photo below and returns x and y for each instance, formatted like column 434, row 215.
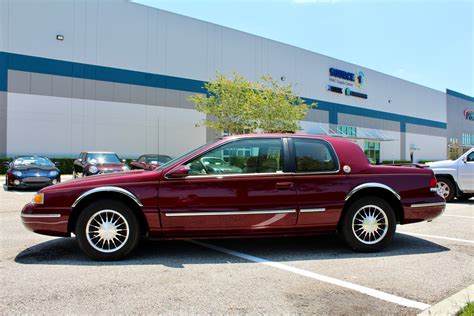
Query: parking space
column 315, row 274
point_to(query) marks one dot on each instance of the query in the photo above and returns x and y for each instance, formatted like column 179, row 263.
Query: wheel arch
column 450, row 177
column 374, row 189
column 114, row 193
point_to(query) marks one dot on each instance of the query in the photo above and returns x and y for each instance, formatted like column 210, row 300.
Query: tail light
column 433, row 184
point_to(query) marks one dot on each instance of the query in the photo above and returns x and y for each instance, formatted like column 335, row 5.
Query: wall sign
column 348, row 79
column 469, row 114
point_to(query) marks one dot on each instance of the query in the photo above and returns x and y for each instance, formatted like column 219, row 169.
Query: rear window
column 314, row 155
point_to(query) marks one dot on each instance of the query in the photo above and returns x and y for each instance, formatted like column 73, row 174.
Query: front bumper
column 46, row 221
column 32, row 182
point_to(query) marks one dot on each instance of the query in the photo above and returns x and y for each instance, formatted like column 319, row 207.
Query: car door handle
column 284, row 185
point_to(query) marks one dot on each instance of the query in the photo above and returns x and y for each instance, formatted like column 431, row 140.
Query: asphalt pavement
column 425, row 263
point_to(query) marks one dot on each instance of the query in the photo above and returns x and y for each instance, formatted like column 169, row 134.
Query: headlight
column 53, row 173
column 38, row 198
column 93, row 169
column 125, row 168
column 17, row 173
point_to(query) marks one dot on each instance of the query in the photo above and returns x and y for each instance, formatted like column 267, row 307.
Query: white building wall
column 75, row 125
column 126, row 35
column 429, row 147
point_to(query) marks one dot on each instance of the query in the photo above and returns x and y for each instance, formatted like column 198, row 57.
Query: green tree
column 238, row 106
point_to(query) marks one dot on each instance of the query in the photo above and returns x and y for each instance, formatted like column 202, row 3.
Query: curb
column 453, row 304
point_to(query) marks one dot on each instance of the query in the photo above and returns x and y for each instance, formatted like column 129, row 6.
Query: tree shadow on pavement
column 176, row 254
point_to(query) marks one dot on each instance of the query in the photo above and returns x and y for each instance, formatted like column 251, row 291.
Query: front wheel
column 107, row 230
column 368, row 224
column 445, row 188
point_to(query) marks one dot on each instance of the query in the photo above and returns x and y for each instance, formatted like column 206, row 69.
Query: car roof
column 99, row 152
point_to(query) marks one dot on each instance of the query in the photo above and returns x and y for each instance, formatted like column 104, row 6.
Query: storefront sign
column 347, row 79
column 469, row 114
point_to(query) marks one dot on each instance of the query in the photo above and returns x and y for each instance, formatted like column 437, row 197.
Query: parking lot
column 425, row 263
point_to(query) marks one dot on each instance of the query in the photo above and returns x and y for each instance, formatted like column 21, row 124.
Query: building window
column 467, row 139
column 372, row 151
column 347, row 130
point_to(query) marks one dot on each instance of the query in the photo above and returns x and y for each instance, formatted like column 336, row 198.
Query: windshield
column 173, row 161
column 33, row 161
column 101, row 158
column 160, row 159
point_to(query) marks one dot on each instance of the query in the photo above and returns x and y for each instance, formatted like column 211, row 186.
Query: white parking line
column 460, row 216
column 355, row 287
column 437, row 237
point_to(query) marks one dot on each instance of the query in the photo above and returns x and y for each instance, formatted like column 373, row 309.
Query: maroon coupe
column 240, row 186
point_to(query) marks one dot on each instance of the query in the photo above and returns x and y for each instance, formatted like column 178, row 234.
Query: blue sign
column 333, row 72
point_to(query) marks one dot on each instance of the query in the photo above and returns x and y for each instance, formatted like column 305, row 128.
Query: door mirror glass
column 178, row 173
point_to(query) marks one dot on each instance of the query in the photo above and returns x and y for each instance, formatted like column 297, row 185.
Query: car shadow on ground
column 177, row 254
column 20, row 190
column 466, row 202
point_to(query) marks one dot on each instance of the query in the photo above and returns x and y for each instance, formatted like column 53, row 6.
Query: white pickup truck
column 455, row 177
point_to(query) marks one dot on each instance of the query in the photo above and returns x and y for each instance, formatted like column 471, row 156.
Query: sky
column 427, row 42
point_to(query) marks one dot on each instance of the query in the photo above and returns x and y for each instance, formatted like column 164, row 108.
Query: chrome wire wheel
column 107, row 231
column 443, row 189
column 370, row 224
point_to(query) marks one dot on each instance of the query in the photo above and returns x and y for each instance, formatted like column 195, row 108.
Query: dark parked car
column 98, row 162
column 31, row 172
column 266, row 185
column 149, row 162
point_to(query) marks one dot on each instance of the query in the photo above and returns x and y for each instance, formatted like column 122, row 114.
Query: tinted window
column 314, row 155
column 141, row 159
column 160, row 159
column 470, row 157
column 240, row 157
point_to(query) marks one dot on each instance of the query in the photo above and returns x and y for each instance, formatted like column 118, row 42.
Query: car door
column 319, row 186
column 240, row 186
column 466, row 173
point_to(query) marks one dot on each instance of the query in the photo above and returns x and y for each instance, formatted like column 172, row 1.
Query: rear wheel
column 107, row 230
column 446, row 188
column 368, row 224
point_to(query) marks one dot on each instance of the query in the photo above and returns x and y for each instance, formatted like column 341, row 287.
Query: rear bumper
column 425, row 211
column 45, row 221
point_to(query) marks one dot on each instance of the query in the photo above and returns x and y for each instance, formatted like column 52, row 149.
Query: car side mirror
column 178, row 173
column 464, row 159
column 79, row 160
column 6, row 163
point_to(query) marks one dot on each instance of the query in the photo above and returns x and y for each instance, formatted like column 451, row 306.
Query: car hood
column 111, row 179
column 442, row 164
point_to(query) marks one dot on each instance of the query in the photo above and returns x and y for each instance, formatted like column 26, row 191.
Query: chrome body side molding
column 40, row 215
column 428, row 204
column 312, row 210
column 372, row 185
column 231, row 213
column 107, row 189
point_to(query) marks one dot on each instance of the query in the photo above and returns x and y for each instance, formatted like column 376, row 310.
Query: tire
column 465, row 197
column 117, row 240
column 446, row 189
column 362, row 238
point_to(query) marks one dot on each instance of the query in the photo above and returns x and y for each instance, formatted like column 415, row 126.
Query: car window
column 313, row 155
column 241, row 157
column 33, row 161
column 142, row 159
column 470, row 157
column 101, row 158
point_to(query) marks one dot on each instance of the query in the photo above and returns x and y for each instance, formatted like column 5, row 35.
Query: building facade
column 79, row 75
column 460, row 110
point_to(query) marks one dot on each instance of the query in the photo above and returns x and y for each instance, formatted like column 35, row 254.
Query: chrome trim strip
column 428, row 204
column 40, row 215
column 236, row 175
column 231, row 213
column 107, row 189
column 312, row 210
column 433, row 189
column 371, row 185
